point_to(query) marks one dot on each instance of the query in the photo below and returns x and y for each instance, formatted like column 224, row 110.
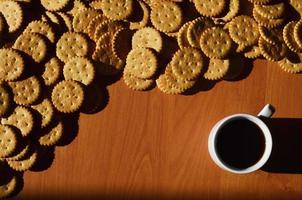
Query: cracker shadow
column 45, row 158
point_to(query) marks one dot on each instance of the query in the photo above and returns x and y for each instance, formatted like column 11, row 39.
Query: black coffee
column 240, row 143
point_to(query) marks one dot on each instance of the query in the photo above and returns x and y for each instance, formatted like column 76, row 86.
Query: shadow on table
column 286, row 156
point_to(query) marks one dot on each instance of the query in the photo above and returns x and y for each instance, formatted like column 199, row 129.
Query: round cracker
column 8, row 189
column 196, row 28
column 82, row 19
column 121, row 43
column 25, row 164
column 182, row 39
column 234, row 7
column 166, row 16
column 117, row 9
column 273, row 11
column 244, row 30
column 298, row 33
column 52, row 71
column 271, row 52
column 148, row 38
column 46, row 111
column 136, row 83
column 68, row 96
column 71, row 45
column 22, row 119
column 42, row 28
column 269, row 23
column 11, row 64
column 292, row 63
column 144, row 20
column 5, row 100
column 187, row 63
column 32, row 44
column 289, row 39
column 79, row 69
column 210, row 8
column 8, row 141
column 54, row 5
column 94, row 23
column 27, row 91
column 216, row 43
column 142, row 63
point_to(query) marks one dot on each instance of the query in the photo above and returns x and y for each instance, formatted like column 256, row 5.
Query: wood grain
column 148, row 145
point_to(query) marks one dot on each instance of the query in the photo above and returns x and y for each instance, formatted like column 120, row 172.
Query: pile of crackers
column 53, row 54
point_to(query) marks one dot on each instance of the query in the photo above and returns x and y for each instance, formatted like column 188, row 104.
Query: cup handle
column 267, row 111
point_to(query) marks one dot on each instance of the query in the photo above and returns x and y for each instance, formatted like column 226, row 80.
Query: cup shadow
column 287, row 145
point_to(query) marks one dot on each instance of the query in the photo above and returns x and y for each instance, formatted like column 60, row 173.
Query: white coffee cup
column 267, row 111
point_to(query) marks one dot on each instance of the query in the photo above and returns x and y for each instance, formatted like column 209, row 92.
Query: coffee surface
column 240, row 143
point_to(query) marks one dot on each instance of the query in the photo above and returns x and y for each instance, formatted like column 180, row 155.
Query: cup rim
column 267, row 150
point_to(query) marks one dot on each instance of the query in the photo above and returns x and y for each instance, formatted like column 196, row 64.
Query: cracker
column 54, row 5
column 253, row 53
column 117, row 9
column 94, row 24
column 82, row 19
column 195, row 30
column 53, row 136
column 298, row 33
column 260, row 2
column 217, row 69
column 210, row 8
column 142, row 63
column 79, row 69
column 8, row 189
column 292, row 63
column 97, row 4
column 297, row 4
column 8, row 141
column 244, row 30
column 25, row 164
column 270, row 35
column 11, row 64
column 144, row 20
column 53, row 18
column 71, row 45
column 22, row 119
column 32, row 44
column 187, row 63
column 166, row 16
column 216, row 43
column 5, row 100
column 289, row 39
column 107, row 27
column 78, row 6
column 21, row 154
column 67, row 96
column 42, row 28
column 269, row 23
column 170, row 84
column 271, row 52
column 136, row 83
column 13, row 14
column 234, row 7
column 273, row 11
column 121, row 43
column 27, row 91
column 52, row 71
column 148, row 38
column 46, row 111
column 182, row 39
column 67, row 20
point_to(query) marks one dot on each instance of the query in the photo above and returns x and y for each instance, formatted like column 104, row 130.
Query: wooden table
column 148, row 145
